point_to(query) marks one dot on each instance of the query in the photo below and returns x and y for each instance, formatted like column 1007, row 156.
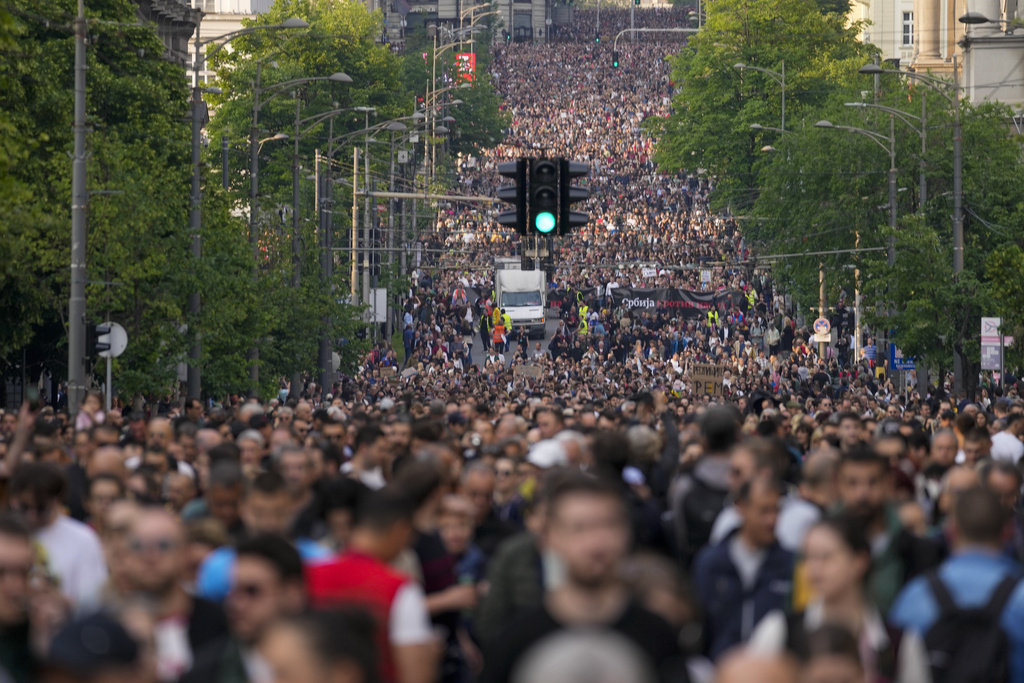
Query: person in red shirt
column 362, row 578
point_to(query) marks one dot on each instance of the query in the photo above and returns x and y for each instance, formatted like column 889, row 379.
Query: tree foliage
column 715, row 103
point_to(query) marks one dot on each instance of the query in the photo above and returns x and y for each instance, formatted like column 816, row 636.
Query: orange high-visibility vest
column 499, row 332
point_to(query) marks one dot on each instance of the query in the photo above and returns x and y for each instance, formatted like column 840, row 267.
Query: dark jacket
column 516, row 581
column 731, row 612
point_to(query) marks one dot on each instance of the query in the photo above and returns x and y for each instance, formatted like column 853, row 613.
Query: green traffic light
column 544, row 222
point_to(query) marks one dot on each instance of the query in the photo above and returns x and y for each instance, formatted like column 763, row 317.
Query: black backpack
column 700, row 508
column 967, row 645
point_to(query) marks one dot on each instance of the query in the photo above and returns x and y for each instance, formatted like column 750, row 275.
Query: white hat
column 386, row 404
column 547, row 454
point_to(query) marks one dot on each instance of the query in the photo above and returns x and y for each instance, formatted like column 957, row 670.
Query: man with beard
column 155, row 564
column 588, row 528
column 267, row 585
column 865, row 491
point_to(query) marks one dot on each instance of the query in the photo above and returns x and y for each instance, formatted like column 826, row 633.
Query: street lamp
column 977, row 18
column 922, row 132
column 759, row 127
column 275, row 89
column 194, row 372
column 296, row 212
column 879, row 140
column 778, row 76
column 958, row 192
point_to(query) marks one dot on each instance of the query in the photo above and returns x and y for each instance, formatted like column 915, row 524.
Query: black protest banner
column 682, row 302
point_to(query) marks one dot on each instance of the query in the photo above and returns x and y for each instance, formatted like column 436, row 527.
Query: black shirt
column 649, row 632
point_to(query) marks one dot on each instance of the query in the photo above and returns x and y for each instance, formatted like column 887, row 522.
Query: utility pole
column 224, row 160
column 296, row 242
column 878, row 78
column 367, row 225
column 354, row 258
column 79, row 206
column 326, row 256
column 195, row 218
column 958, row 191
column 388, row 329
column 821, row 306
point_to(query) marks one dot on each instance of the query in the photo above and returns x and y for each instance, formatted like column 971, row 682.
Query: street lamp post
column 922, row 132
column 195, row 211
column 879, row 140
column 777, row 76
column 958, row 193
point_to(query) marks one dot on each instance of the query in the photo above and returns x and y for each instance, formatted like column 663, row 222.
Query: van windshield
column 520, row 299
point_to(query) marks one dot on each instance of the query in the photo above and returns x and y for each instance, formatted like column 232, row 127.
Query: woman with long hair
column 837, row 561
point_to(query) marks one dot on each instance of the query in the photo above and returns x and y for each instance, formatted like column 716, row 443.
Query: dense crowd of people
column 581, row 507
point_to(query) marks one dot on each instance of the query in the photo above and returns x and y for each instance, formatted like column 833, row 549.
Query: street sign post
column 117, row 341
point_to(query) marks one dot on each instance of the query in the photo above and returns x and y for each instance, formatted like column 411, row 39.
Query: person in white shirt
column 69, row 550
column 1007, row 445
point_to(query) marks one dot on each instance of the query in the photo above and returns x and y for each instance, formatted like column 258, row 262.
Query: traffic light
column 597, row 37
column 514, row 194
column 97, row 340
column 615, row 59
column 543, row 196
column 569, row 194
column 636, row 2
column 508, row 37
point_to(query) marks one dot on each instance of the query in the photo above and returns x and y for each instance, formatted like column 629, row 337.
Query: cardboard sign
column 532, row 371
column 707, row 379
column 387, row 371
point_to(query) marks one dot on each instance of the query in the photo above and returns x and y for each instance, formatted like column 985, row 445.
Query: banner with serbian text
column 682, row 302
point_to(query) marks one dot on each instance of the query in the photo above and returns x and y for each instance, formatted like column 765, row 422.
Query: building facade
column 890, row 26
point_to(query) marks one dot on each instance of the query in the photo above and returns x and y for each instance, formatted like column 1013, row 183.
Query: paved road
column 550, row 325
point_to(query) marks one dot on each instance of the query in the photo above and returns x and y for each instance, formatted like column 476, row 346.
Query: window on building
column 908, row 28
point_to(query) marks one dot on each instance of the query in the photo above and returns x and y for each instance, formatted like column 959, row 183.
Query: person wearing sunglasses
column 155, row 563
column 17, row 560
column 267, row 585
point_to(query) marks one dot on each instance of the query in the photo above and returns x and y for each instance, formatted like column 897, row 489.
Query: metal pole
column 923, row 181
column 194, row 372
column 892, row 188
column 296, row 242
column 355, row 224
column 324, row 351
column 856, row 307
column 878, row 78
column 109, row 391
column 821, row 305
column 783, row 94
column 367, row 225
column 631, row 6
column 958, row 191
column 253, row 354
column 389, row 331
column 224, row 160
column 79, row 206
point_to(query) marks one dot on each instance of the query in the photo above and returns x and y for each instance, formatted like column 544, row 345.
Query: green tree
column 138, row 178
column 715, row 103
column 342, row 38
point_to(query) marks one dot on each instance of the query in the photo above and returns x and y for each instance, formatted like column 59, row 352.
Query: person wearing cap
column 95, row 648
